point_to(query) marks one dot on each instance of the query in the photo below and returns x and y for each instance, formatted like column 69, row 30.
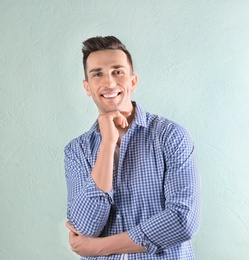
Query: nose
column 109, row 81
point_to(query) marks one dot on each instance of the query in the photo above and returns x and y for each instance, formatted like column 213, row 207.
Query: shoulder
column 167, row 134
column 160, row 128
column 173, row 139
column 81, row 142
column 75, row 145
column 164, row 127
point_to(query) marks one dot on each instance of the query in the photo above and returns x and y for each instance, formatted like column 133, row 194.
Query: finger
column 125, row 113
column 120, row 119
column 124, row 118
column 124, row 123
column 121, row 122
column 117, row 118
column 71, row 228
column 117, row 114
column 72, row 235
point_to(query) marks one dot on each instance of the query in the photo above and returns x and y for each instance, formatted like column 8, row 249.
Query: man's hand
column 108, row 124
column 82, row 245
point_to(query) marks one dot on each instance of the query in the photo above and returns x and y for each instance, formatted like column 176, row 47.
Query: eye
column 98, row 74
column 118, row 72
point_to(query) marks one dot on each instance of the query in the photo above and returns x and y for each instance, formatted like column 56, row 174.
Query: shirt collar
column 139, row 119
column 140, row 115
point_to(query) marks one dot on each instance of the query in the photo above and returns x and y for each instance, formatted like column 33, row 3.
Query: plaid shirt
column 156, row 188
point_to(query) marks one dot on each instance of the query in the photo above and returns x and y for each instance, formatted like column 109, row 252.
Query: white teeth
column 110, row 95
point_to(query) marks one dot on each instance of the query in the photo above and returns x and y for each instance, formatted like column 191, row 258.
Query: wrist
column 108, row 145
column 99, row 244
column 103, row 245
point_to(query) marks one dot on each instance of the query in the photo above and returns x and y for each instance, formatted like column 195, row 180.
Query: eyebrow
column 95, row 70
column 112, row 67
column 117, row 66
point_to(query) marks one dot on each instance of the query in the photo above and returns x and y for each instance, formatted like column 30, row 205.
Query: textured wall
column 192, row 58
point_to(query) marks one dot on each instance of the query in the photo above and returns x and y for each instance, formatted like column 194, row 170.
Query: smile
column 111, row 95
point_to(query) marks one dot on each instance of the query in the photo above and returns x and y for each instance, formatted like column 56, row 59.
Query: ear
column 134, row 82
column 86, row 87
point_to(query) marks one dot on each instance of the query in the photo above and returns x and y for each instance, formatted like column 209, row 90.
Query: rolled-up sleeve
column 179, row 221
column 88, row 207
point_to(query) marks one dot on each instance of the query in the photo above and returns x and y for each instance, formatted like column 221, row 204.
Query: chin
column 112, row 108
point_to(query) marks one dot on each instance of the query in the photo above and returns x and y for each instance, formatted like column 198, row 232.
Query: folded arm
column 178, row 222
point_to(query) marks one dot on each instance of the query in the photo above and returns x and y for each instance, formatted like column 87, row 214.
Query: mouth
column 111, row 95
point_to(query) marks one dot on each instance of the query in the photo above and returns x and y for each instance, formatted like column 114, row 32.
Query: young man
column 133, row 185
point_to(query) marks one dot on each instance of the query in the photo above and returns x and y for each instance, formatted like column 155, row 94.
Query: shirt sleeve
column 88, row 207
column 179, row 221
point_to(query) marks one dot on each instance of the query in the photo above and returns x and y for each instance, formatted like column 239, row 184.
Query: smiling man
column 133, row 184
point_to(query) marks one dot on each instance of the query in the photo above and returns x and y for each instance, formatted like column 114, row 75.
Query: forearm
column 102, row 172
column 119, row 244
column 101, row 246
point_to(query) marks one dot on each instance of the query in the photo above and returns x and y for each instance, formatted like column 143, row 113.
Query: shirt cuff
column 139, row 237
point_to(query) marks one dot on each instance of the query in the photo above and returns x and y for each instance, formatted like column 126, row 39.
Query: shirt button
column 118, row 216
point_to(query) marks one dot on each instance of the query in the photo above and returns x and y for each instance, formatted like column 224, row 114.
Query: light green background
column 192, row 58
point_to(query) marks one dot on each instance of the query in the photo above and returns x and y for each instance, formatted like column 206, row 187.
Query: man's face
column 110, row 80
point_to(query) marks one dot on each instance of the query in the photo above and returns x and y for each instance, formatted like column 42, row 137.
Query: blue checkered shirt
column 156, row 188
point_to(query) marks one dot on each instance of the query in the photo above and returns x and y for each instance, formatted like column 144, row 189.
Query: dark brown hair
column 103, row 43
